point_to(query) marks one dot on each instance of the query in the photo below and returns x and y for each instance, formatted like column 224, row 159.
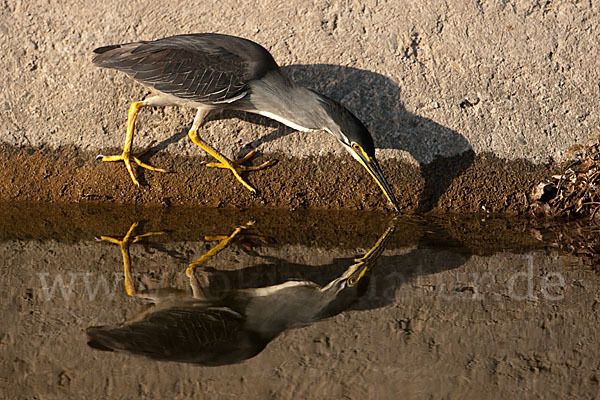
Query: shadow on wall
column 376, row 100
column 442, row 153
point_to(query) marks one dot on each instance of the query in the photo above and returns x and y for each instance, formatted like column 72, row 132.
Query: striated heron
column 234, row 326
column 210, row 71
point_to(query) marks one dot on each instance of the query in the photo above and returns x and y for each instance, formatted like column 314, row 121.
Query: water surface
column 290, row 307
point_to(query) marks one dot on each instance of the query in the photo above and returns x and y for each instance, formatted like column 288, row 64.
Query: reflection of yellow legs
column 224, row 242
column 126, row 156
column 124, row 243
column 234, row 166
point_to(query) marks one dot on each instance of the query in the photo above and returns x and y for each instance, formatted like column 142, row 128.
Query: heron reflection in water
column 194, row 328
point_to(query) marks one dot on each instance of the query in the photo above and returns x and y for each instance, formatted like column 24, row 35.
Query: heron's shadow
column 377, row 101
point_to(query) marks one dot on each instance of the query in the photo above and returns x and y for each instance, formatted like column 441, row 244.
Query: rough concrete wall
column 429, row 78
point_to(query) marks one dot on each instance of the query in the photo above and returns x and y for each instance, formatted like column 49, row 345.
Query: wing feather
column 206, row 68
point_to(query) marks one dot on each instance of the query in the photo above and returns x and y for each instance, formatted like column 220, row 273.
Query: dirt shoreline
column 464, row 184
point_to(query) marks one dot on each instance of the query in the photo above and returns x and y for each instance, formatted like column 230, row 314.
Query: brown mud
column 465, row 184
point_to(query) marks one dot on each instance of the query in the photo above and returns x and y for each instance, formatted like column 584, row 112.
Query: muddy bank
column 68, row 223
column 465, row 183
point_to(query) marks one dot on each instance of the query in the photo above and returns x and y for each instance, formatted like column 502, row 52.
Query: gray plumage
column 239, row 325
column 204, row 68
column 228, row 330
column 187, row 331
column 211, row 71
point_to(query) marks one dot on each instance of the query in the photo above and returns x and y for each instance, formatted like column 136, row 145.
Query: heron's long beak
column 356, row 271
column 373, row 167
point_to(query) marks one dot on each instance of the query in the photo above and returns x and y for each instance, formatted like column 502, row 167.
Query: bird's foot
column 129, row 237
column 224, row 241
column 239, row 163
column 127, row 158
column 237, row 166
column 124, row 243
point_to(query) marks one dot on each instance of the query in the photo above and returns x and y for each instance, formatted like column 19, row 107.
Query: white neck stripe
column 284, row 121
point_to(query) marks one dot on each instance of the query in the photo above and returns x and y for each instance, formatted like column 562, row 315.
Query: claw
column 236, row 167
column 127, row 158
column 243, row 168
column 223, row 162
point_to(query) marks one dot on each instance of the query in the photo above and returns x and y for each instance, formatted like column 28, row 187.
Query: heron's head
column 357, row 140
column 355, row 280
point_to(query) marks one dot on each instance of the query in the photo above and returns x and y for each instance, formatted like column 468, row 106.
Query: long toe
column 127, row 159
column 239, row 163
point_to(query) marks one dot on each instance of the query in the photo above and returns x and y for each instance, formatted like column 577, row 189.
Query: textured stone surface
column 430, row 79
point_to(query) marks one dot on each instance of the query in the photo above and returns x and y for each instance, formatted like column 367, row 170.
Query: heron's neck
column 278, row 98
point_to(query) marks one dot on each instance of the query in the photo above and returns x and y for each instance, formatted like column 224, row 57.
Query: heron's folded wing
column 206, row 68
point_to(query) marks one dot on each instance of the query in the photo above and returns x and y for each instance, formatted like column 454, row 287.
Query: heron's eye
column 357, row 148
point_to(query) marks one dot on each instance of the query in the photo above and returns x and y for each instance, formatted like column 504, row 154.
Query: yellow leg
column 222, row 159
column 124, row 243
column 215, row 238
column 224, row 162
column 126, row 156
column 246, row 242
column 212, row 252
